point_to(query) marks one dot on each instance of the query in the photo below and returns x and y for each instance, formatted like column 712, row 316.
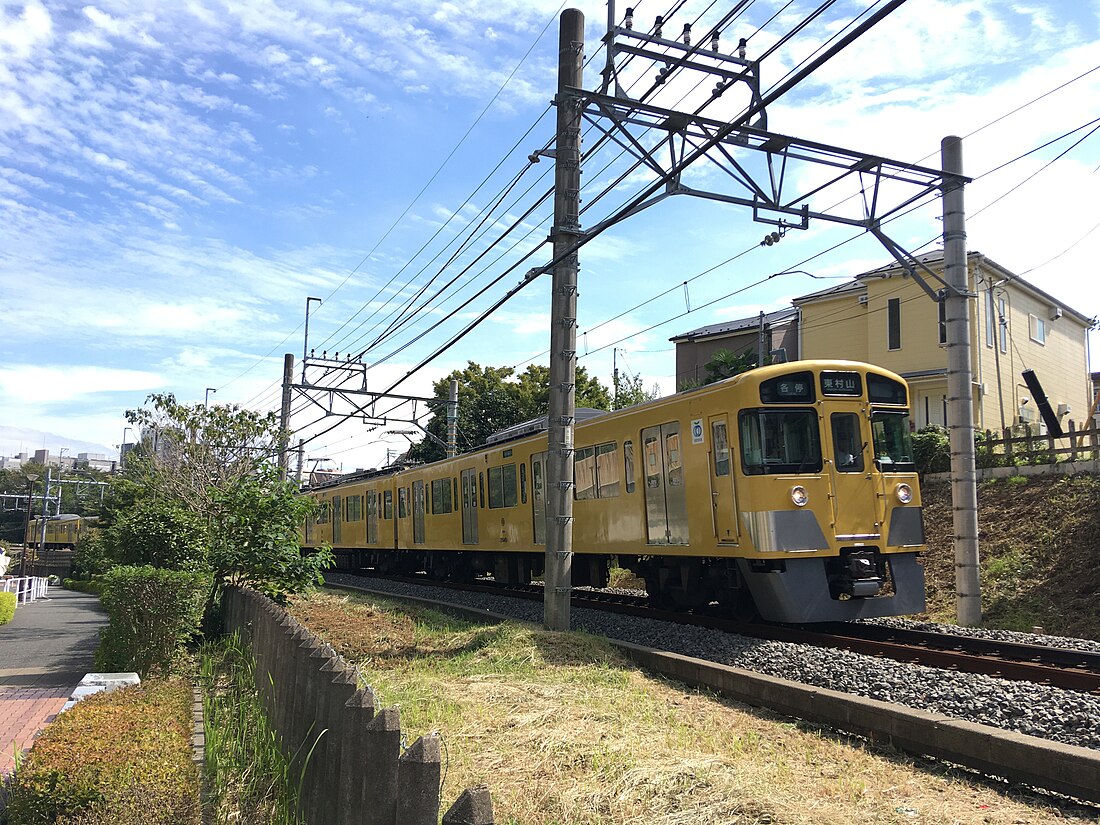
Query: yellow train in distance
column 64, row 530
column 788, row 492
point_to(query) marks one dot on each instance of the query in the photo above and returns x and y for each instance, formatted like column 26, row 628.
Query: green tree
column 488, row 401
column 725, row 364
column 190, row 453
column 631, row 392
column 161, row 533
column 254, row 538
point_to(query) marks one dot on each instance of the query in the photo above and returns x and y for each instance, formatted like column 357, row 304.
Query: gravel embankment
column 1050, row 713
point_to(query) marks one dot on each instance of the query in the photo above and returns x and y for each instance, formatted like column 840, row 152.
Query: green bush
column 932, row 450
column 7, row 607
column 122, row 758
column 153, row 614
column 83, row 585
column 93, row 555
column 160, row 533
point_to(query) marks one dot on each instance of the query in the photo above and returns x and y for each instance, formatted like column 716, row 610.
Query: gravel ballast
column 1051, row 713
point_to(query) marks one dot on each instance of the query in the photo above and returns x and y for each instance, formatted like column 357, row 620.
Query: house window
column 893, row 323
column 1037, row 328
column 943, row 318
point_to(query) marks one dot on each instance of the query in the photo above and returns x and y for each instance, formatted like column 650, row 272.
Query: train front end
column 827, row 494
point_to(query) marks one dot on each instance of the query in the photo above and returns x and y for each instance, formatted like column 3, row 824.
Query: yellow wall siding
column 835, row 328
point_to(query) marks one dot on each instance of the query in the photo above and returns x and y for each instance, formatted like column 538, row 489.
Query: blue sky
column 176, row 179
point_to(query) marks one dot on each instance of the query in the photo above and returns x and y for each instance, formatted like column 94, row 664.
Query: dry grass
column 563, row 731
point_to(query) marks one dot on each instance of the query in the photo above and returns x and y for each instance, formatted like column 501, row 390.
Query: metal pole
column 209, row 390
column 284, row 415
column 31, row 479
column 960, row 424
column 563, row 327
column 301, row 457
column 305, row 340
column 760, row 341
column 45, row 518
column 452, row 421
column 615, row 377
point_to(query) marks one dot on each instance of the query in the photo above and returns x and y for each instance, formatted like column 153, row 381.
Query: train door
column 418, row 512
column 855, row 500
column 469, row 506
column 665, row 496
column 372, row 517
column 336, row 520
column 538, row 496
column 722, row 492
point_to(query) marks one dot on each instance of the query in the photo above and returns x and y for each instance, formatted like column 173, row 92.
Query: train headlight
column 799, row 495
column 904, row 493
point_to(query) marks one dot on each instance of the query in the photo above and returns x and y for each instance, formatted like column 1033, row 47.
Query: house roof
column 780, row 316
column 930, row 260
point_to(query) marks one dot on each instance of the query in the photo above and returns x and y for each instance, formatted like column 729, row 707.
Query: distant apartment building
column 776, row 333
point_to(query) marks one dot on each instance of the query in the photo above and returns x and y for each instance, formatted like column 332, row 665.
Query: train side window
column 481, row 488
column 387, row 504
column 628, row 464
column 584, row 473
column 322, row 513
column 607, row 470
column 402, row 503
column 522, row 483
column 502, row 486
column 456, row 488
column 721, row 449
column 651, row 449
column 674, row 459
column 355, row 508
column 441, row 496
column 847, row 444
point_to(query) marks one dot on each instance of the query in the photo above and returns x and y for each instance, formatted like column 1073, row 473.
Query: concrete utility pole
column 452, row 421
column 563, row 326
column 301, row 457
column 960, row 392
column 284, row 415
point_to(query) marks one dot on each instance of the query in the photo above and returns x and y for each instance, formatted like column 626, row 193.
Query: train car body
column 787, row 492
column 64, row 530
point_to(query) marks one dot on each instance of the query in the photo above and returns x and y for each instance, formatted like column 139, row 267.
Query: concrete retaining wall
column 330, row 725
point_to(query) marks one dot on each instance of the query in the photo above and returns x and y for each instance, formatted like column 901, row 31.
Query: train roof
column 538, row 425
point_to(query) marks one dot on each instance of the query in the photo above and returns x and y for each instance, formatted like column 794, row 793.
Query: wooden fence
column 1009, row 448
column 331, row 727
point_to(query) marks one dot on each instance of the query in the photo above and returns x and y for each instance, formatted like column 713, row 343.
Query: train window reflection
column 628, row 464
column 893, row 446
column 721, row 449
column 779, row 441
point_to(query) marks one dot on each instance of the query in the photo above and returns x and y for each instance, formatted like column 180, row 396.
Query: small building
column 884, row 317
column 774, row 332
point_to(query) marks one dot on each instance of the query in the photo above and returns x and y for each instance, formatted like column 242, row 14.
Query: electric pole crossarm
column 911, row 265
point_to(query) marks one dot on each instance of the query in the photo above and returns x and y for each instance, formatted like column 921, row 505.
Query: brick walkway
column 44, row 652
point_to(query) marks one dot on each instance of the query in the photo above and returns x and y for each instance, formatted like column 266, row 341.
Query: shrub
column 160, row 533
column 932, row 450
column 153, row 614
column 122, row 757
column 7, row 607
column 92, row 555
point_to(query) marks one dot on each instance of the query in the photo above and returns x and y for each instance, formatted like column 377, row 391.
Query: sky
column 177, row 178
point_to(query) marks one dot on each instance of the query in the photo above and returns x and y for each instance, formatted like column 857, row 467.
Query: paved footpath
column 44, row 653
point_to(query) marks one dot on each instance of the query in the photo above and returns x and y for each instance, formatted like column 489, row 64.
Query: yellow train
column 64, row 530
column 787, row 492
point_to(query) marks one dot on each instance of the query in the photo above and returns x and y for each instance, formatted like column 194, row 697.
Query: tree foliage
column 161, row 533
column 493, row 398
column 190, row 453
column 631, row 392
column 725, row 364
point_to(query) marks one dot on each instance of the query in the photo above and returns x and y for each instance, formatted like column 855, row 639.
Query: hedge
column 7, row 607
column 153, row 614
column 122, row 758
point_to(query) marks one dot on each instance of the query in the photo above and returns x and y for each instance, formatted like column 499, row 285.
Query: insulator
column 687, row 34
column 714, row 41
column 742, row 45
column 628, row 21
column 658, row 26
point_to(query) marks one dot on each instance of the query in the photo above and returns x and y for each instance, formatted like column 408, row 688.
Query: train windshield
column 779, row 441
column 893, row 446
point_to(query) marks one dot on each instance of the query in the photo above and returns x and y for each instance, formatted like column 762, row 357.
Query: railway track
column 1057, row 667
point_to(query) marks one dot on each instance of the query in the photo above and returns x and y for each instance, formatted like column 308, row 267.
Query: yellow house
column 884, row 317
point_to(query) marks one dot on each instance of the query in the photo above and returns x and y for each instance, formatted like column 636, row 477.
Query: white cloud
column 53, row 383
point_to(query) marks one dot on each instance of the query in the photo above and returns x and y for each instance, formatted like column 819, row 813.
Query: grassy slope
column 1039, row 539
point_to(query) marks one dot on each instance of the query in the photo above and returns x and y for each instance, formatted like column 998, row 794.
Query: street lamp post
column 31, row 479
column 122, row 448
column 209, row 390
